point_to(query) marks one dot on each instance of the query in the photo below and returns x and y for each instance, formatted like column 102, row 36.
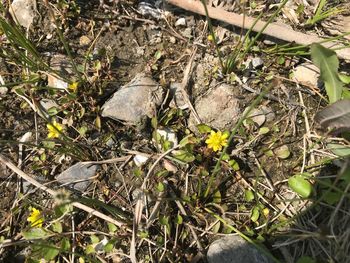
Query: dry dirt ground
column 111, row 43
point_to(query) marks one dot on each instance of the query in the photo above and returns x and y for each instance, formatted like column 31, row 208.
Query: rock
column 307, row 74
column 45, row 106
column 181, row 22
column 257, row 63
column 147, row 9
column 269, row 113
column 23, row 11
column 219, row 108
column 84, row 41
column 61, row 64
column 178, row 100
column 136, row 100
column 76, row 173
column 257, row 116
column 235, row 249
column 139, row 160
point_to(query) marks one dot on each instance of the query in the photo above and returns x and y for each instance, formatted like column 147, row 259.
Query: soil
column 123, row 43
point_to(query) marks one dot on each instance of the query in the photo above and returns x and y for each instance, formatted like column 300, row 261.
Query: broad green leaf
column 94, row 239
column 300, row 185
column 327, row 61
column 332, row 198
column 35, row 233
column 89, row 249
column 184, row 156
column 217, row 197
column 339, row 150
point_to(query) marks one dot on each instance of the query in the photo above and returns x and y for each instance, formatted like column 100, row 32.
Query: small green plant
column 322, row 14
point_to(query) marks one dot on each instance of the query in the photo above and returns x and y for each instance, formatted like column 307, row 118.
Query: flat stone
column 134, row 101
column 178, row 100
column 23, row 11
column 78, row 172
column 234, row 249
column 219, row 108
column 62, row 65
column 307, row 74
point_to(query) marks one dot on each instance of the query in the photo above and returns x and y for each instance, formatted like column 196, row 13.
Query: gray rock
column 78, row 176
column 147, row 8
column 219, row 108
column 187, row 33
column 23, row 11
column 136, row 100
column 257, row 62
column 234, row 249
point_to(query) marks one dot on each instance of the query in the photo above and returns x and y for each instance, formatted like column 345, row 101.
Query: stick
column 273, row 29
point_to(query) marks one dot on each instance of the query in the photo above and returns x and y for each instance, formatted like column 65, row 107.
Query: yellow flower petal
column 216, row 140
column 35, row 218
column 55, row 129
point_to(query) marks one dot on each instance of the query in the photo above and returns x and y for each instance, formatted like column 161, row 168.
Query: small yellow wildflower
column 55, row 129
column 35, row 218
column 266, row 212
column 73, row 86
column 216, row 140
column 210, row 38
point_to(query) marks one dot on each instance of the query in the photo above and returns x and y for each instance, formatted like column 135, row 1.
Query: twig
column 275, row 30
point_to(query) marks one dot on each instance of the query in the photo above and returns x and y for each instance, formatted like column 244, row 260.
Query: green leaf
column 109, row 246
column 234, row 165
column 264, row 130
column 344, row 78
column 160, row 187
column 184, row 156
column 65, row 244
column 282, row 152
column 57, row 227
column 300, row 185
column 339, row 150
column 327, row 61
column 255, row 214
column 35, row 233
column 89, row 249
column 249, row 195
column 332, row 198
column 217, row 197
column 164, row 220
column 112, row 227
column 94, row 239
column 178, row 220
column 203, row 128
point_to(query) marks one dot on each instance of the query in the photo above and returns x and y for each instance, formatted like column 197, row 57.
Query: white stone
column 23, row 11
column 307, row 74
column 180, row 22
column 139, row 160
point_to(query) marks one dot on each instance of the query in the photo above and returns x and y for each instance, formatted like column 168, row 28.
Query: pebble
column 180, row 22
column 61, row 64
column 235, row 249
column 46, row 105
column 257, row 62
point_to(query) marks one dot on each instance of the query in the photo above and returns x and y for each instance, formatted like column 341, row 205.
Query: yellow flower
column 73, row 86
column 35, row 218
column 55, row 129
column 216, row 140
